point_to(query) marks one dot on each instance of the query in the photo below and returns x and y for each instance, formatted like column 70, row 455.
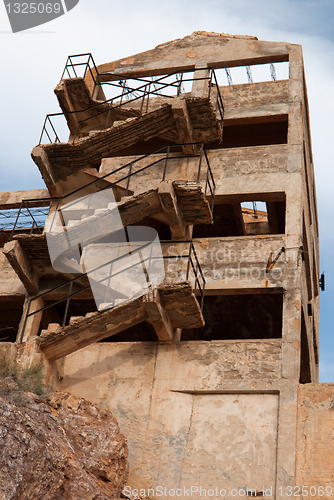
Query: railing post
column 65, row 69
column 142, row 103
column 207, row 179
column 148, row 96
column 128, row 181
column 89, row 199
column 54, row 216
column 180, row 85
column 54, row 130
column 108, row 283
column 41, row 136
column 200, row 162
column 87, row 67
column 108, row 114
column 34, row 222
column 25, row 321
column 220, row 103
column 166, row 161
column 196, row 269
column 67, row 303
column 189, row 259
column 17, row 218
column 210, row 82
column 76, row 127
column 123, row 88
column 149, row 261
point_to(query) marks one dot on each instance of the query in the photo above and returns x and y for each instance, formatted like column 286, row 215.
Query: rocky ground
column 58, row 446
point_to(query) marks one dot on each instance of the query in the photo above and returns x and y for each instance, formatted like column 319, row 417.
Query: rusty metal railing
column 193, row 272
column 129, row 94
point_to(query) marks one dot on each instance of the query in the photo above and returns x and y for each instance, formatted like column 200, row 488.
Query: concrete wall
column 315, row 449
column 171, row 400
column 11, row 286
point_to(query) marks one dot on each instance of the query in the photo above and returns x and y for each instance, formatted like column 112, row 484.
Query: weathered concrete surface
column 58, row 161
column 254, row 95
column 315, row 449
column 11, row 286
column 170, row 401
column 196, row 50
column 22, row 265
column 13, row 199
column 178, row 301
column 178, row 204
column 73, row 95
column 94, row 327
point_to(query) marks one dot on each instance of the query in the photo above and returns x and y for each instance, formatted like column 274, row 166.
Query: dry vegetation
column 15, row 381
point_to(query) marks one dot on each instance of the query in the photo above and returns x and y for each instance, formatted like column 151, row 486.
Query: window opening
column 305, row 368
column 10, row 316
column 253, row 73
column 245, row 316
column 244, row 218
column 256, row 132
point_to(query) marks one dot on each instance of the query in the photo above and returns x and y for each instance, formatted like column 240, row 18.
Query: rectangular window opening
column 305, row 368
column 55, row 313
column 10, row 316
column 264, row 214
column 240, row 316
column 260, row 131
column 253, row 73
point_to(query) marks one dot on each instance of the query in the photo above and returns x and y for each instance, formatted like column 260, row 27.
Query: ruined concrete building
column 174, row 277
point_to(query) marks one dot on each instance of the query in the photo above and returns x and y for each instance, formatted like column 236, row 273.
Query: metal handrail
column 24, row 205
column 192, row 264
column 87, row 64
column 145, row 92
column 209, row 179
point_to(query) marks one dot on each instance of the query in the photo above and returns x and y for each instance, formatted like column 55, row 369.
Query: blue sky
column 32, row 63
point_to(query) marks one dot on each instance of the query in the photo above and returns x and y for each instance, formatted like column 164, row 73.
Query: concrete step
column 175, row 305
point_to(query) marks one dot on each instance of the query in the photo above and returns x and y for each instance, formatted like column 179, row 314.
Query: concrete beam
column 239, row 220
column 29, row 327
column 40, row 157
column 170, row 207
column 91, row 328
column 218, row 50
column 13, row 199
column 173, row 306
column 60, row 160
column 272, row 217
column 73, row 95
column 158, row 317
column 183, row 125
column 22, row 265
column 200, row 87
column 181, row 305
column 192, row 202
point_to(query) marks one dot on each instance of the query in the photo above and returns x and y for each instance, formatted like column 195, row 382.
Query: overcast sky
column 32, row 63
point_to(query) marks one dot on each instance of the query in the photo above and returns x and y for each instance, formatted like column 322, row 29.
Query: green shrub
column 25, row 379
